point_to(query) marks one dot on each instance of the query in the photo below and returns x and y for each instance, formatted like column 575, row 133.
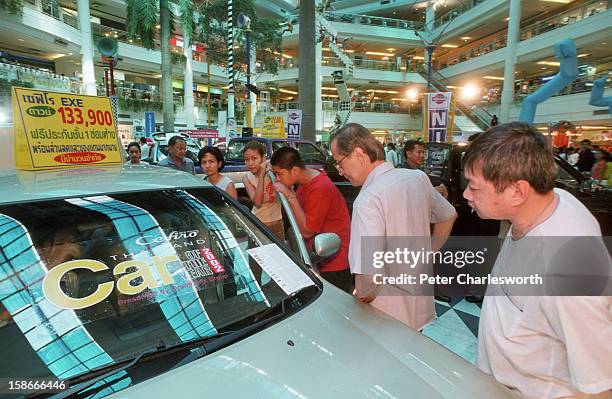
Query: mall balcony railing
column 565, row 18
column 53, row 9
column 369, row 20
column 360, row 63
column 22, row 76
column 457, row 11
column 400, row 107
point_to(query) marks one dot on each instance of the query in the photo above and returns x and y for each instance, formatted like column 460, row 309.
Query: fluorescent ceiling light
column 390, row 49
column 287, row 91
column 328, row 88
column 378, row 53
column 582, row 55
column 549, row 63
column 418, row 57
column 349, row 51
column 493, row 78
column 287, row 56
column 557, row 1
column 465, row 38
column 448, row 45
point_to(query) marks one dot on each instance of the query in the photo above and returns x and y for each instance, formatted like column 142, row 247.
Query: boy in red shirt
column 318, row 207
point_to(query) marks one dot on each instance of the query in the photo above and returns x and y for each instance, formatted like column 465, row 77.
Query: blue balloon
column 597, row 98
column 568, row 71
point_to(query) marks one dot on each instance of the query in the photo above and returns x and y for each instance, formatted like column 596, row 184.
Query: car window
column 191, row 153
column 279, row 144
column 234, row 150
column 436, row 161
column 310, row 153
column 90, row 281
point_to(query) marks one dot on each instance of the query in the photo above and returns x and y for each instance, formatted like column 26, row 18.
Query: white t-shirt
column 223, row 182
column 547, row 346
column 397, row 203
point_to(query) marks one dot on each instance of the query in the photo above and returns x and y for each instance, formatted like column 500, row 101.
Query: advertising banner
column 274, row 127
column 438, row 117
column 149, row 118
column 62, row 129
column 294, row 123
column 201, row 133
column 222, row 122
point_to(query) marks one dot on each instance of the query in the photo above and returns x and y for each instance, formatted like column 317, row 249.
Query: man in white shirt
column 541, row 346
column 392, row 203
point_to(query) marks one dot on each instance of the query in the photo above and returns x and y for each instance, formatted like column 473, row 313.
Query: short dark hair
column 209, row 149
column 353, row 135
column 287, row 158
column 174, row 139
column 255, row 145
column 511, row 152
column 133, row 144
column 143, row 140
column 410, row 144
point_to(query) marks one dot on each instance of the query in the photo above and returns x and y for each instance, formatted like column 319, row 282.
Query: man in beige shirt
column 394, row 206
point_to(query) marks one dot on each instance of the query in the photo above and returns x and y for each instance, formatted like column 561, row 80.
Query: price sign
column 62, row 129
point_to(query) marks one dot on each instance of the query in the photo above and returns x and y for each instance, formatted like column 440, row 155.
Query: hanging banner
column 438, row 117
column 222, row 123
column 294, row 123
column 274, row 127
column 149, row 118
column 60, row 129
column 201, row 133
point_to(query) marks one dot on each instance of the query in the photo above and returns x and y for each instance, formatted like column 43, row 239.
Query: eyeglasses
column 337, row 163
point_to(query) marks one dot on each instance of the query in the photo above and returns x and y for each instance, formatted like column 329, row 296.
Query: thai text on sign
column 274, row 126
column 62, row 129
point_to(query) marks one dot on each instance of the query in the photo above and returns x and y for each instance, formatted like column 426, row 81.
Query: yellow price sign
column 274, row 126
column 63, row 129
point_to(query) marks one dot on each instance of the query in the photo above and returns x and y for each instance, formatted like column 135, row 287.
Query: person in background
column 541, row 346
column 134, row 155
column 318, row 207
column 177, row 147
column 392, row 203
column 586, row 158
column 572, row 156
column 391, row 155
column 599, row 167
column 494, row 121
column 259, row 187
column 415, row 155
column 212, row 162
column 145, row 148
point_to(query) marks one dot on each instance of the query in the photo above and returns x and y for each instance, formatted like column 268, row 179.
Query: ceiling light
column 557, row 1
column 549, row 63
column 287, row 56
column 465, row 38
column 328, row 88
column 349, row 51
column 469, row 91
column 390, row 49
column 418, row 57
column 412, row 94
column 493, row 77
column 288, row 91
column 21, row 40
column 325, row 49
column 448, row 45
column 582, row 55
column 378, row 53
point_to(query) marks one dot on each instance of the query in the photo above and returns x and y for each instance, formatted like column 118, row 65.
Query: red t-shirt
column 326, row 212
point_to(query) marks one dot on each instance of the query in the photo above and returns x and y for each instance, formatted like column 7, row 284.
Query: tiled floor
column 456, row 327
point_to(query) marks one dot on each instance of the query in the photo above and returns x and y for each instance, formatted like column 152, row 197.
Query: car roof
column 26, row 186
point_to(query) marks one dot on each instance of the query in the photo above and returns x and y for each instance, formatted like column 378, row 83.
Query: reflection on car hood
column 334, row 348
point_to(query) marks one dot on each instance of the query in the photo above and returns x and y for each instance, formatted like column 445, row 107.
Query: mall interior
column 380, row 46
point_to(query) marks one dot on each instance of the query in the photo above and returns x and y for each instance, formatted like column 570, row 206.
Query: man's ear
column 521, row 190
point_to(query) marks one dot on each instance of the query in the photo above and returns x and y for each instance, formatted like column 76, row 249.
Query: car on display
column 444, row 161
column 142, row 281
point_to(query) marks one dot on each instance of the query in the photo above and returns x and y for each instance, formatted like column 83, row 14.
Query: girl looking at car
column 258, row 185
column 212, row 162
column 133, row 150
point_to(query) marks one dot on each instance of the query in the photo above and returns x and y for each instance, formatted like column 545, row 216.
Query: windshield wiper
column 86, row 384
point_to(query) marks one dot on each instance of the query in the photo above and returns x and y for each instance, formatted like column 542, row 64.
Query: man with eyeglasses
column 536, row 338
column 393, row 206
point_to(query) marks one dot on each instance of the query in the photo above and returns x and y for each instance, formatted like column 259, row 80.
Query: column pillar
column 87, row 53
column 252, row 96
column 507, row 97
column 309, row 72
column 188, row 105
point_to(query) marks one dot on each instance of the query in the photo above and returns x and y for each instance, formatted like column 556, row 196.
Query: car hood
column 334, row 348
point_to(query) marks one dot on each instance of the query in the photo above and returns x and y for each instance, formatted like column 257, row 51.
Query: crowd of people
column 590, row 159
column 540, row 346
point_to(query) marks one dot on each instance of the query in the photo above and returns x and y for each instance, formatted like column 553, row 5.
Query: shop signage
column 439, row 113
column 201, row 133
column 294, row 123
column 274, row 126
column 60, row 129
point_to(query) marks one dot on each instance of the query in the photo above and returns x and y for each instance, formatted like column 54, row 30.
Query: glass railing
column 52, row 9
column 565, row 18
column 369, row 20
column 457, row 11
column 359, row 63
column 21, row 76
column 399, row 107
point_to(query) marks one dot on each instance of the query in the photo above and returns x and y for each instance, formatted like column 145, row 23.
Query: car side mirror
column 325, row 246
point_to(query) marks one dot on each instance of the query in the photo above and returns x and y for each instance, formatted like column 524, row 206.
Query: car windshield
column 234, row 150
column 90, row 281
